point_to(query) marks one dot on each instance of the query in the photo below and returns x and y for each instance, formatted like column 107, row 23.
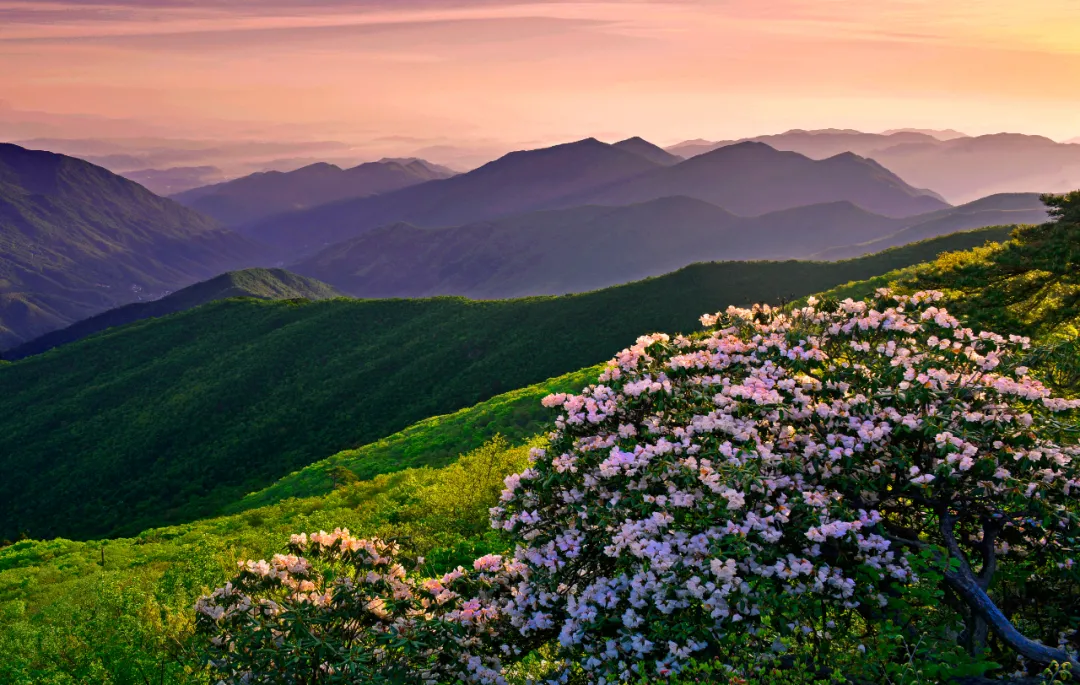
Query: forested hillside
column 168, row 420
column 263, row 284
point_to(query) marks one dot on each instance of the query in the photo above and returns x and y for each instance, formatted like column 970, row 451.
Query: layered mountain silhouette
column 968, row 168
column 585, row 248
column 262, row 284
column 749, row 179
column 266, row 193
column 940, row 134
column 175, row 180
column 817, row 144
column 960, row 168
column 517, row 182
column 997, row 210
column 76, row 239
column 753, row 178
column 649, row 151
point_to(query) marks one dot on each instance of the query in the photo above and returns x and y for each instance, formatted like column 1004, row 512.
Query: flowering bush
column 778, row 475
column 784, row 476
column 339, row 609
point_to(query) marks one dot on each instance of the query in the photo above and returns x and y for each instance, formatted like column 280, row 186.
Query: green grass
column 435, row 441
column 119, row 612
column 1029, row 284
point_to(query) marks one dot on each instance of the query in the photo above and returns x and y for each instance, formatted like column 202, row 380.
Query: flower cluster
column 346, row 610
column 775, row 474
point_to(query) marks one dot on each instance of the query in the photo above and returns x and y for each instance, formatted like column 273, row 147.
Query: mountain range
column 747, row 179
column 960, row 168
column 968, row 168
column 589, row 247
column 260, row 195
column 545, row 221
column 76, row 240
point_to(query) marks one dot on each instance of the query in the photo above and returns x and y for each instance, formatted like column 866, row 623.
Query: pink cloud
column 548, row 70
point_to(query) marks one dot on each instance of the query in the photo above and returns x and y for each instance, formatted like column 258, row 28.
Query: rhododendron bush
column 784, row 474
column 339, row 609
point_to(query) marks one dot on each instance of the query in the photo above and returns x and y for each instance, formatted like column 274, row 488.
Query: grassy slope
column 435, row 441
column 59, row 607
column 167, row 420
column 1029, row 284
column 120, row 612
column 264, row 284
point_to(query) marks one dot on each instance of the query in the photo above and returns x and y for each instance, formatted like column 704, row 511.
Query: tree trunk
column 972, row 590
column 984, row 607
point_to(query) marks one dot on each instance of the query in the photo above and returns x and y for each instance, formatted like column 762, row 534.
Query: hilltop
column 263, row 284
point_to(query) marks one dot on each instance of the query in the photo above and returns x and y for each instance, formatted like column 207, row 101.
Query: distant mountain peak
column 1018, row 138
column 260, row 195
column 940, row 134
column 649, row 151
column 824, row 132
column 575, row 152
column 847, row 155
column 743, row 151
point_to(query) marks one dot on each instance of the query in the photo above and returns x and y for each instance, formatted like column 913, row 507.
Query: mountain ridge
column 77, row 239
column 960, row 168
column 517, row 181
column 559, row 251
column 266, row 193
column 258, row 283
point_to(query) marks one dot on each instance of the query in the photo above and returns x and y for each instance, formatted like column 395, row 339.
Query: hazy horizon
column 489, row 74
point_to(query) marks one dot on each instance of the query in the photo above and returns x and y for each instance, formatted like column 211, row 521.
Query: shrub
column 836, row 481
column 347, row 611
column 786, row 475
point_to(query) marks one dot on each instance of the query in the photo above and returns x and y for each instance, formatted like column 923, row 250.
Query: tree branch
column 965, row 584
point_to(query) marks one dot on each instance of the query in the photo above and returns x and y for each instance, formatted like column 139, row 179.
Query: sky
column 409, row 73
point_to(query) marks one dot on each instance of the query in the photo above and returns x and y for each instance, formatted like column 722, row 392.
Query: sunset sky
column 428, row 71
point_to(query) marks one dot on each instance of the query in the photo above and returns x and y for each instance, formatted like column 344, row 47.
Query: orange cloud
column 514, row 71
